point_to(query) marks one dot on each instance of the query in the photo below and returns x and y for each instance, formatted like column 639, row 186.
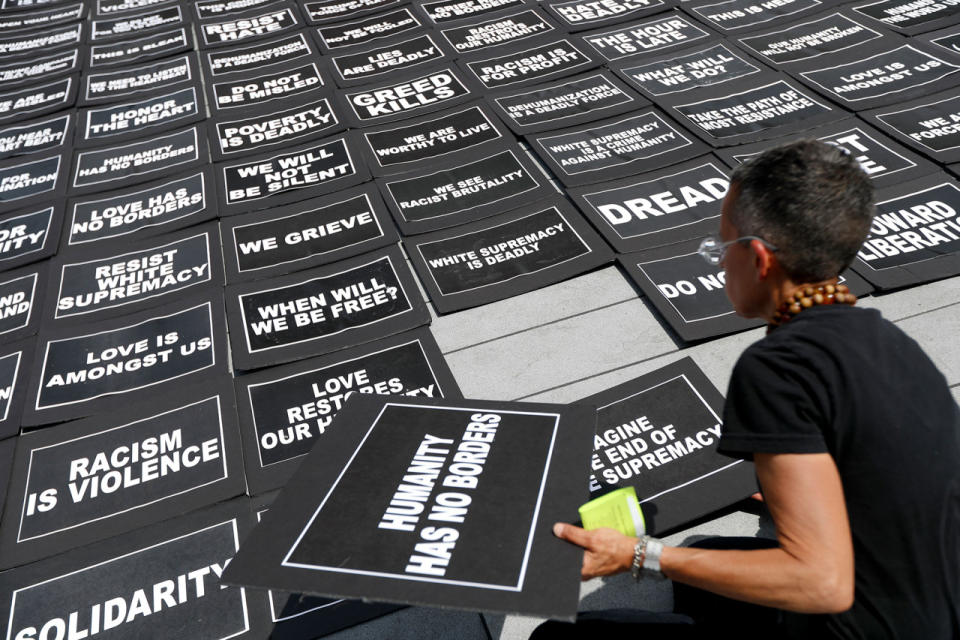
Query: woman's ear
column 764, row 260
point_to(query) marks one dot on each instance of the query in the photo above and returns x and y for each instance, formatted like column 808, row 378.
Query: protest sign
column 210, row 9
column 83, row 369
column 284, row 411
column 944, row 40
column 464, row 192
column 6, row 461
column 615, row 148
column 278, row 18
column 306, row 234
column 578, row 15
column 504, row 29
column 323, row 11
column 510, row 254
column 654, row 36
column 930, row 124
column 324, row 309
column 160, row 581
column 915, row 234
column 911, row 17
column 31, row 179
column 737, row 16
column 113, row 7
column 382, row 58
column 397, row 506
column 144, row 210
column 92, row 479
column 45, row 19
column 678, row 203
column 292, row 84
column 255, row 56
column 659, row 434
column 281, row 177
column 116, row 28
column 29, row 235
column 443, row 11
column 22, row 292
column 41, row 68
column 24, row 44
column 14, row 372
column 37, row 135
column 567, row 102
column 33, row 102
column 17, row 5
column 528, row 63
column 134, row 82
column 399, row 99
column 357, row 32
column 150, row 47
column 136, row 120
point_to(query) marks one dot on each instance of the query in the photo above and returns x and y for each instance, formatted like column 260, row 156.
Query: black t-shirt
column 843, row 380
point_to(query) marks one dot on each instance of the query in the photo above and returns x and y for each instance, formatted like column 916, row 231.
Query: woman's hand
column 608, row 551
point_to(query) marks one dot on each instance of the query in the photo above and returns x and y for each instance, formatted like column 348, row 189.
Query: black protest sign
column 370, row 65
column 89, row 480
column 706, row 66
column 753, row 109
column 107, row 589
column 340, row 527
column 101, row 282
column 658, row 433
column 257, row 24
column 886, row 162
column 324, row 309
column 156, row 45
column 911, row 16
column 16, row 5
column 529, row 63
column 145, row 210
column 89, row 368
column 930, row 125
column 737, row 16
column 306, row 234
column 323, row 11
column 261, row 132
column 38, row 100
column 888, row 77
column 505, row 256
column 114, row 7
column 264, row 181
column 505, row 29
column 13, row 22
column 121, row 165
column 22, row 292
column 294, row 83
column 106, row 29
column 40, row 68
column 25, row 181
column 428, row 140
column 577, row 15
column 654, row 36
column 357, row 32
column 135, row 82
column 674, row 204
column 212, row 9
column 33, row 42
column 915, row 234
column 565, row 103
column 14, row 372
column 466, row 191
column 399, row 99
column 36, row 135
column 948, row 39
column 6, row 461
column 284, row 411
column 615, row 148
column 441, row 12
column 136, row 120
column 255, row 56
column 30, row 234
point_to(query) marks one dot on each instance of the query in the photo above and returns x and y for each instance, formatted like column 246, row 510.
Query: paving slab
column 897, row 305
column 937, row 332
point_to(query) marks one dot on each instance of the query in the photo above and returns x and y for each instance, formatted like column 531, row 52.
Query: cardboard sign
column 257, row 133
column 257, row 24
column 156, row 45
column 529, row 63
column 615, row 148
column 399, row 99
column 33, row 102
column 475, row 189
column 14, row 372
column 884, row 78
column 444, row 11
column 655, row 36
column 706, row 66
column 113, row 7
column 264, row 181
column 107, row 588
column 22, row 292
column 139, row 119
column 253, row 57
column 306, row 234
column 886, row 162
column 931, row 124
column 292, row 84
column 319, row 311
column 84, row 369
column 754, row 109
column 351, row 69
column 96, row 478
column 40, row 68
column 418, row 530
column 118, row 166
column 145, row 210
column 350, row 34
column 506, row 29
column 678, row 203
column 735, row 16
column 915, row 234
column 285, row 411
column 428, row 140
column 323, row 11
column 30, row 43
column 106, row 29
column 25, row 181
column 13, row 22
column 505, row 256
column 135, row 82
column 565, row 103
column 36, row 136
column 910, row 18
column 30, row 234
column 577, row 15
column 659, row 433
column 102, row 282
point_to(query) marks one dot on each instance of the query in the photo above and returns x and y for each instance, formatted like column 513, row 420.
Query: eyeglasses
column 712, row 249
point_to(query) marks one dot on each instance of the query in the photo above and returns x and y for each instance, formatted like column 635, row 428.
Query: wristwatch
column 646, row 558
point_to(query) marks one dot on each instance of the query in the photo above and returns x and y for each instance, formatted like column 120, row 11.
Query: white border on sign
column 122, row 7
column 234, row 52
column 276, row 74
column 600, row 75
column 13, row 381
column 32, row 91
column 512, row 16
column 745, row 91
column 765, row 36
column 274, row 116
column 46, row 230
column 504, row 4
column 773, row 16
column 168, row 63
column 72, row 56
column 519, row 55
column 26, row 489
column 336, row 67
column 674, row 61
column 65, row 16
column 536, row 512
column 340, row 27
column 656, row 21
column 32, row 299
column 156, row 141
column 368, row 5
column 37, row 124
column 18, row 38
column 159, row 36
column 880, row 116
column 448, row 70
column 276, row 15
column 676, row 310
column 649, row 4
column 31, row 163
column 95, row 35
column 112, row 107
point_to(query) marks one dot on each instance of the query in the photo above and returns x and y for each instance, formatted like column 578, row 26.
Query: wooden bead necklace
column 810, row 296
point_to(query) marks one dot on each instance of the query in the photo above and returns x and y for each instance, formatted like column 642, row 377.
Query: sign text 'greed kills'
column 410, row 95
